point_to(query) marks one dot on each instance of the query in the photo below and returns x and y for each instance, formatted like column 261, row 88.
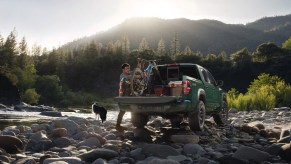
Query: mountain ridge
column 205, row 35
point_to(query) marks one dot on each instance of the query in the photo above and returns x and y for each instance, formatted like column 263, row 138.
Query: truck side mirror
column 219, row 83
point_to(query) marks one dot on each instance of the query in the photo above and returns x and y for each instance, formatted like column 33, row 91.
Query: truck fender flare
column 201, row 92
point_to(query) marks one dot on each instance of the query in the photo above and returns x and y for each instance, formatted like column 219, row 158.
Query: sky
column 52, row 23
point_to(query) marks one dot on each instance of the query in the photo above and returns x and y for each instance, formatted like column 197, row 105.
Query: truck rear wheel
column 176, row 121
column 139, row 120
column 196, row 118
column 221, row 117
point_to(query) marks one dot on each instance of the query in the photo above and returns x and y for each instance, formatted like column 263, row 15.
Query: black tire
column 137, row 85
column 139, row 120
column 196, row 118
column 176, row 121
column 221, row 117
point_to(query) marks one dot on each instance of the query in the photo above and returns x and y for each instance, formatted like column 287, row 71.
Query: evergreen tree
column 125, row 45
column 161, row 50
column 143, row 45
column 9, row 52
column 187, row 51
column 175, row 46
column 23, row 59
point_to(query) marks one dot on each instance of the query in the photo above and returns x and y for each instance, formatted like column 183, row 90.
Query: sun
column 161, row 9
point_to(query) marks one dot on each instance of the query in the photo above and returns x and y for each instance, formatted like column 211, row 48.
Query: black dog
column 99, row 110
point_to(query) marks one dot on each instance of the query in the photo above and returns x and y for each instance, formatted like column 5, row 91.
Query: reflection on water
column 15, row 118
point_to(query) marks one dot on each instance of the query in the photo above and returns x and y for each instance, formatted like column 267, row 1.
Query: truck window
column 208, row 77
column 189, row 71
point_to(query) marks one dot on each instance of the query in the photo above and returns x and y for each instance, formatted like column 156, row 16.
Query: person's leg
column 119, row 118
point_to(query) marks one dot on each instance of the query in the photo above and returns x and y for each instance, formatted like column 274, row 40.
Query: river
column 14, row 118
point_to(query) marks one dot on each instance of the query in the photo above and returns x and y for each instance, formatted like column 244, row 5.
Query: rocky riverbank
column 250, row 137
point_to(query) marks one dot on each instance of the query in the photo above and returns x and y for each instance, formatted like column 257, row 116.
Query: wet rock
column 11, row 144
column 249, row 153
column 286, row 139
column 100, row 161
column 161, row 151
column 98, row 153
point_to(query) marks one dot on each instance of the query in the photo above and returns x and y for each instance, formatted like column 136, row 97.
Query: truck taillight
column 186, row 87
column 120, row 89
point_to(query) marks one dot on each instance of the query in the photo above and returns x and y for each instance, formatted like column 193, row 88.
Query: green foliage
column 262, row 80
column 264, row 93
column 287, row 44
column 30, row 96
column 50, row 89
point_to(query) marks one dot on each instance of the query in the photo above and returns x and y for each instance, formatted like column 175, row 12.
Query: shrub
column 30, row 96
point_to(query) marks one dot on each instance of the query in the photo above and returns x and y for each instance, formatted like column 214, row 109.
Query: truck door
column 212, row 92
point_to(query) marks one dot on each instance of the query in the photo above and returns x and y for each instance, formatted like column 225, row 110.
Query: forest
column 77, row 77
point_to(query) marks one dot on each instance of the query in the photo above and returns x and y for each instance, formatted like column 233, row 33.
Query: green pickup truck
column 181, row 91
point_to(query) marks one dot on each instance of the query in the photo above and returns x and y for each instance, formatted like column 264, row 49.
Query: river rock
column 185, row 138
column 69, row 160
column 59, row 132
column 249, row 153
column 11, row 144
column 285, row 153
column 39, row 136
column 193, row 149
column 37, row 146
column 62, row 142
column 80, row 135
column 98, row 153
column 70, row 125
column 91, row 142
column 158, row 150
column 26, row 160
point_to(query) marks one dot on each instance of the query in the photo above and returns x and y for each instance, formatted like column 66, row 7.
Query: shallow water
column 14, row 118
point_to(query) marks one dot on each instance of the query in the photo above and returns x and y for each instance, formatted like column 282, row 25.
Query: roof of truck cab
column 180, row 64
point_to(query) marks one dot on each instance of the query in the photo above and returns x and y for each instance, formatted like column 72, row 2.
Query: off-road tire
column 139, row 120
column 221, row 117
column 176, row 121
column 196, row 118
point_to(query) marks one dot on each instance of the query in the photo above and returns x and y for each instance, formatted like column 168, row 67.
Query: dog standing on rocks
column 99, row 110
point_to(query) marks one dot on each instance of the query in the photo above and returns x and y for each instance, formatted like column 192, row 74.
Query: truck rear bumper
column 147, row 100
column 154, row 105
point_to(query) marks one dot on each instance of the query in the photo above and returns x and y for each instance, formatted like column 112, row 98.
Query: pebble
column 256, row 136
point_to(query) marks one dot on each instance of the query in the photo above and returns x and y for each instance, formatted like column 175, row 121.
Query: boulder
column 11, row 144
column 249, row 153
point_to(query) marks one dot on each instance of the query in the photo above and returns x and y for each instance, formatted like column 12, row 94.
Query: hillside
column 207, row 36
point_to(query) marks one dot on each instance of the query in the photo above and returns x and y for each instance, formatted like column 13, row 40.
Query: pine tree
column 125, row 45
column 175, row 46
column 161, row 50
column 187, row 51
column 143, row 45
column 23, row 59
column 9, row 51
